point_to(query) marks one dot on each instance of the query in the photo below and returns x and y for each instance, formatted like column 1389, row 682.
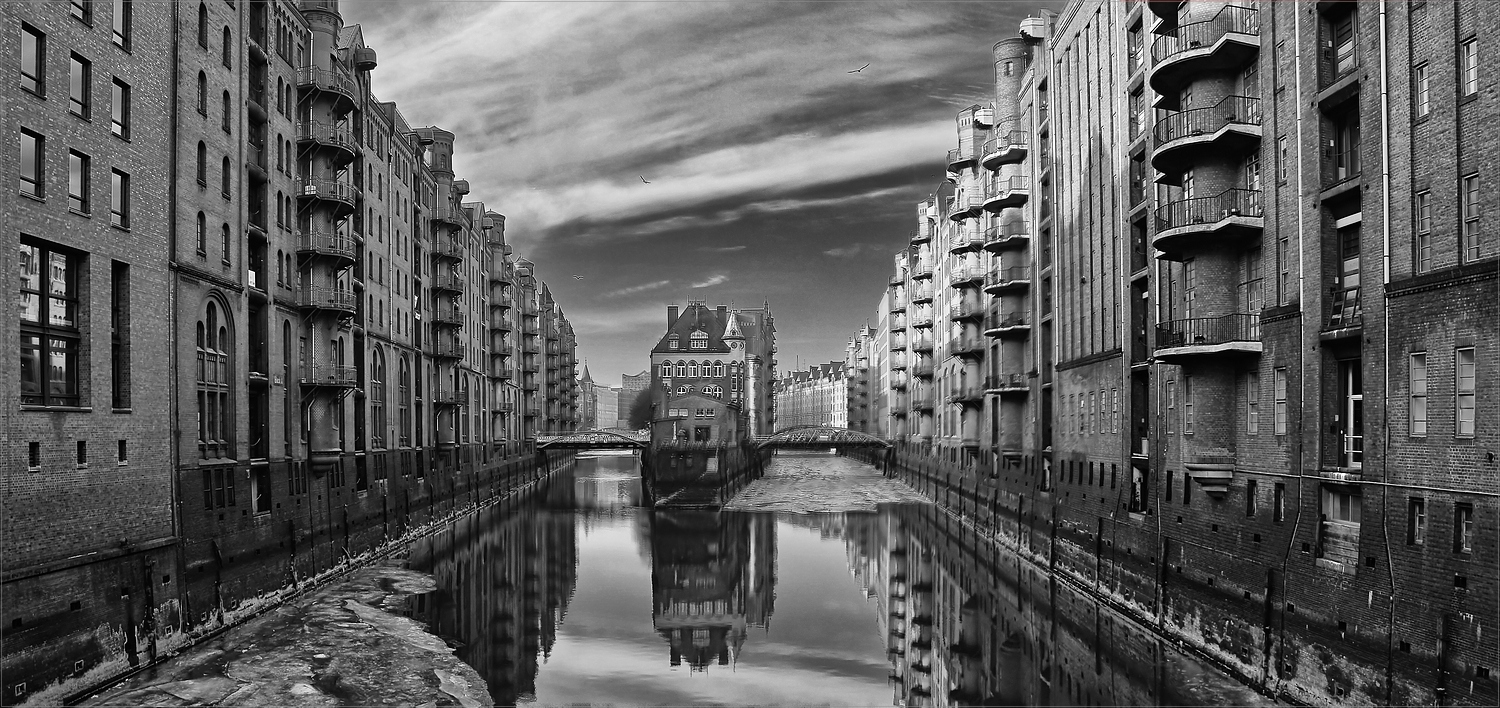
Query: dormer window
column 698, row 340
column 673, row 343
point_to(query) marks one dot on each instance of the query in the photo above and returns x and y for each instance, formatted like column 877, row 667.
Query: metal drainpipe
column 174, row 457
column 1385, row 421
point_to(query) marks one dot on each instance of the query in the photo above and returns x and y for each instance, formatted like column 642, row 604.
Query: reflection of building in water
column 713, row 574
column 606, row 485
column 504, row 577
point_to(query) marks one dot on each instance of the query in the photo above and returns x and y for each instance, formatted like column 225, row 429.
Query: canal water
column 827, row 593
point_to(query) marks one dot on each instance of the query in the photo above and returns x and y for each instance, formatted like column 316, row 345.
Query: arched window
column 403, row 401
column 698, row 340
column 228, row 48
column 224, row 236
column 202, row 93
column 719, row 369
column 672, row 342
column 377, row 398
column 681, row 369
column 202, row 165
column 692, row 370
column 227, row 179
column 666, row 370
column 280, row 212
column 202, row 234
column 280, row 97
column 203, row 25
column 215, row 415
column 684, row 390
column 280, row 269
column 228, row 116
column 280, row 153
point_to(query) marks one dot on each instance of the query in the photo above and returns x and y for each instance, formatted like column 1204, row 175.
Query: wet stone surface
column 816, row 482
column 346, row 644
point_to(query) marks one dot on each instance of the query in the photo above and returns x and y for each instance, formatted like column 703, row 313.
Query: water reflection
column 581, row 596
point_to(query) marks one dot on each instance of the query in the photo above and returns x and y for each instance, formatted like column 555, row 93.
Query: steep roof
column 697, row 317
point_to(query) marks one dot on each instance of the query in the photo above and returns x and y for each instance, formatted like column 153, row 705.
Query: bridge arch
column 592, row 440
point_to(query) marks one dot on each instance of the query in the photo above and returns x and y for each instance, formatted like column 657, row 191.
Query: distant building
column 818, row 395
column 712, row 373
column 631, row 386
column 588, row 403
column 607, row 406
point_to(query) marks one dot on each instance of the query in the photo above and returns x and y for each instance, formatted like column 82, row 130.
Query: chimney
column 671, row 315
column 723, row 311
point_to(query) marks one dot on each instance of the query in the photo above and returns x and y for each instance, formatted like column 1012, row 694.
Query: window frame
column 1468, row 68
column 79, row 167
column 1416, row 521
column 120, row 23
column 81, row 96
column 1421, row 92
column 1279, row 412
column 66, row 335
column 1463, row 527
column 82, row 10
column 34, row 77
column 1422, row 222
column 1469, row 205
column 1465, row 390
column 119, row 199
column 119, row 109
column 1415, row 399
column 1252, row 403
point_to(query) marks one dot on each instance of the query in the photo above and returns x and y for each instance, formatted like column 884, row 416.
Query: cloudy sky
column 774, row 174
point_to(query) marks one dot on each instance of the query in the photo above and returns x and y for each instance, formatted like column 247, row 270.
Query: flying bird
column 578, row 277
column 856, row 71
column 643, row 179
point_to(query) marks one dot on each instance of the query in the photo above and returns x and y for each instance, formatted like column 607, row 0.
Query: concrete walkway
column 819, row 482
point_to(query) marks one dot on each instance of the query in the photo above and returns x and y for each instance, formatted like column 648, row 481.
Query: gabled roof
column 696, row 318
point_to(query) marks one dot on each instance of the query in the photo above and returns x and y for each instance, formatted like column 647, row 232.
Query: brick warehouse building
column 817, row 395
column 1279, row 217
column 713, row 372
column 355, row 346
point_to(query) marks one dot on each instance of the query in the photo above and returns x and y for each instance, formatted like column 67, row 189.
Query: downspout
column 1298, row 448
column 1385, row 282
column 174, row 455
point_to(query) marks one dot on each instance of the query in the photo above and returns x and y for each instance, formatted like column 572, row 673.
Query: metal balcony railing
column 335, row 80
column 922, row 369
column 1007, row 277
column 326, row 189
column 966, row 274
column 1241, row 110
column 996, row 382
column 1231, row 19
column 326, row 242
column 1003, row 233
column 964, row 344
column 921, row 292
column 447, row 349
column 326, row 298
column 448, row 316
column 1239, row 327
column 921, row 344
column 450, row 398
column 329, row 375
column 1209, row 210
column 448, row 248
column 447, row 281
column 1004, row 320
column 966, row 393
column 323, row 133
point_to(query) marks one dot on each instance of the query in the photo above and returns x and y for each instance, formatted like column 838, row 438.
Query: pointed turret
column 732, row 326
column 586, row 377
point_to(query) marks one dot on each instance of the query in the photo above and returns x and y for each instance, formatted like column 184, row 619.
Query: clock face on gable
column 734, row 345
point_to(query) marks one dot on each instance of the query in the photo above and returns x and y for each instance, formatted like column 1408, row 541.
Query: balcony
column 448, row 317
column 960, row 157
column 1226, row 42
column 922, row 401
column 1015, row 234
column 1012, row 279
column 967, row 394
column 447, row 349
column 338, row 139
column 502, row 277
column 1009, row 192
column 336, row 82
column 898, row 361
column 897, row 380
column 314, row 297
column 450, row 214
column 898, row 277
column 922, row 344
column 326, row 244
column 341, row 194
column 966, row 205
column 1008, row 324
column 1182, row 340
column 964, row 310
column 966, row 240
column 898, row 344
column 922, row 293
column 898, row 304
column 1232, row 127
column 448, row 248
column 1006, row 150
column 450, row 398
column 923, row 234
column 967, row 346
column 1230, row 219
column 329, row 376
column 922, row 319
column 922, row 369
column 1007, row 384
column 966, row 276
column 921, row 269
column 447, row 283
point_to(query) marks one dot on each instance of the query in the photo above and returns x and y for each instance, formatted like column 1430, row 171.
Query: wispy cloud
column 643, row 287
column 851, row 250
column 713, row 280
column 722, row 249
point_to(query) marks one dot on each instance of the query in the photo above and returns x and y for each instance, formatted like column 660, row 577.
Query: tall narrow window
column 119, row 109
column 50, row 333
column 1464, row 389
column 1250, row 492
column 202, row 234
column 201, row 167
column 119, row 336
column 1346, row 142
column 228, row 52
column 1189, row 419
column 202, row 93
column 1471, row 246
column 1283, row 158
column 121, row 23
column 203, row 25
column 228, row 114
column 1252, row 403
column 33, row 161
column 119, row 199
column 1463, row 528
column 1416, row 521
column 83, row 10
column 80, row 85
column 1468, row 68
column 1422, row 243
column 33, row 60
column 1421, row 91
column 226, row 178
column 1345, row 45
column 78, row 182
column 1278, row 502
column 224, row 243
column 214, row 379
column 1416, row 407
column 1279, row 401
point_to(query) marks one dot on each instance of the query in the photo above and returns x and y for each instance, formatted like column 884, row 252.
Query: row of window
column 1465, row 390
column 697, row 340
column 80, row 82
column 120, row 18
column 81, row 454
column 33, row 179
column 1463, row 524
column 52, row 326
column 692, row 370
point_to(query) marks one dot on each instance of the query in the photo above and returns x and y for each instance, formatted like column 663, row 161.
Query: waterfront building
column 588, row 401
column 716, row 367
column 302, row 330
column 1186, row 310
column 817, row 395
column 631, row 385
